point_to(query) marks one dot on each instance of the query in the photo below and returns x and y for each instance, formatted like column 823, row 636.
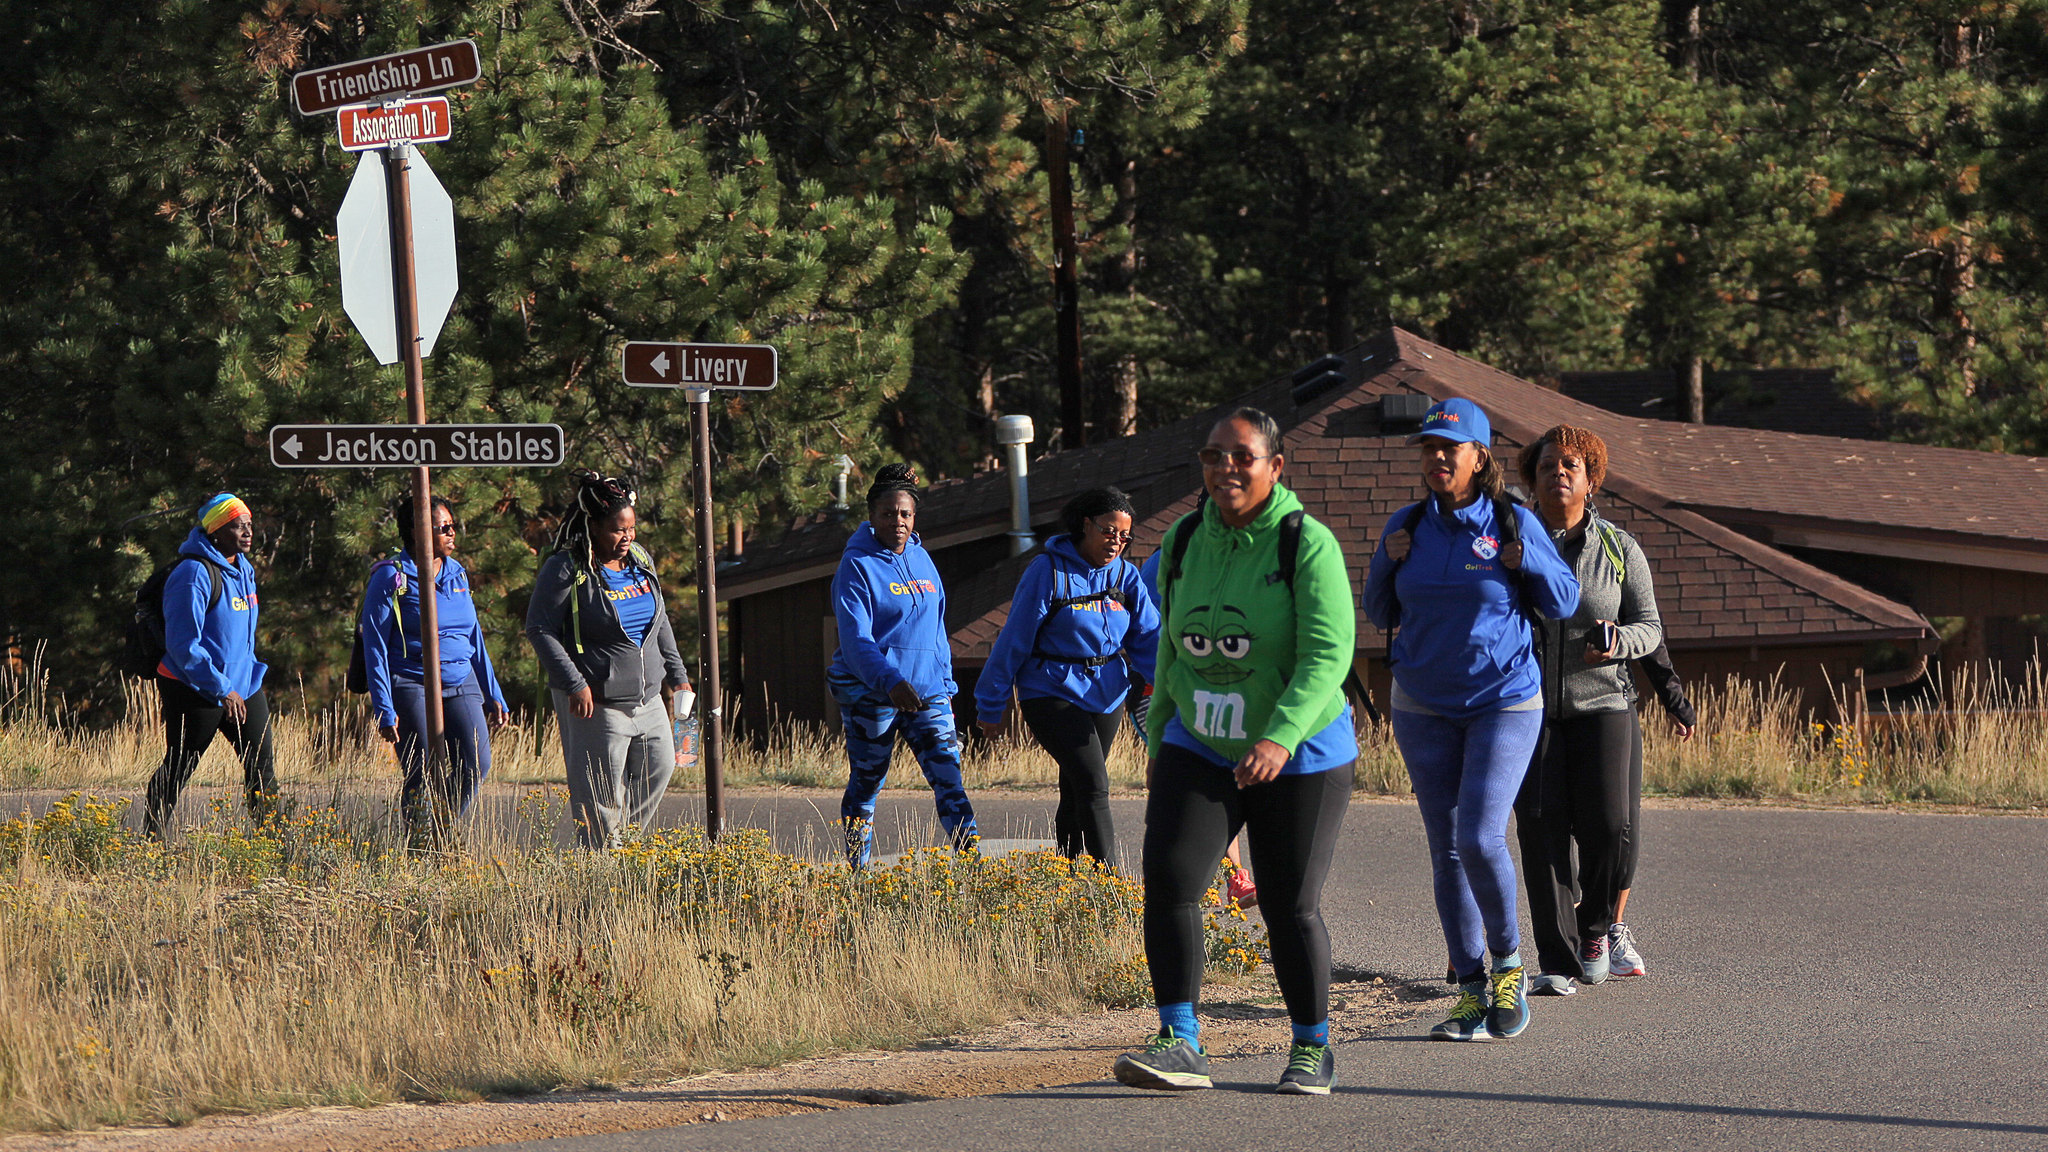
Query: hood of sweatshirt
column 1043, row 650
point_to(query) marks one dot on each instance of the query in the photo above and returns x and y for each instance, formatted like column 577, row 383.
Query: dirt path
column 1242, row 1020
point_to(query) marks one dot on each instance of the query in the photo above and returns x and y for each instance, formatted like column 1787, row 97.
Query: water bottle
column 686, row 729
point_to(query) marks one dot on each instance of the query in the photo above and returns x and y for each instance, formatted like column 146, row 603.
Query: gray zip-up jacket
column 616, row 670
column 1572, row 687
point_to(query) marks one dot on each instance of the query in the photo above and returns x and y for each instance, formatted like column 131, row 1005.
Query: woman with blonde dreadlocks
column 603, row 636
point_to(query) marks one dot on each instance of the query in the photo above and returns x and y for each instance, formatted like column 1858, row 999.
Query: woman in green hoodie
column 1248, row 729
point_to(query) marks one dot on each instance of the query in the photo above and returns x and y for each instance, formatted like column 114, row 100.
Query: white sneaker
column 1622, row 957
column 1553, row 984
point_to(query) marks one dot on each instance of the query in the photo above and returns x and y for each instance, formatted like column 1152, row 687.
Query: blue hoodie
column 1464, row 648
column 1099, row 628
column 891, row 611
column 462, row 637
column 212, row 652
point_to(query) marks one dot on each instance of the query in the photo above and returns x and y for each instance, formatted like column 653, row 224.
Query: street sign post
column 401, row 122
column 417, row 445
column 428, row 69
column 386, row 259
column 700, row 370
column 724, row 367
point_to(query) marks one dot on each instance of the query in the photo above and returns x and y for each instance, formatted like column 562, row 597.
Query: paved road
column 1819, row 980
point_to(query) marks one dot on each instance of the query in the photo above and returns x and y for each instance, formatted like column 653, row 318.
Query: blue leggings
column 871, row 727
column 1466, row 774
column 469, row 742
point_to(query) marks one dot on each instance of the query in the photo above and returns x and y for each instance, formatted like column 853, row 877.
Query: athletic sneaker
column 1240, row 890
column 1168, row 1063
column 1622, row 957
column 860, row 843
column 1509, row 1012
column 1310, row 1071
column 1553, row 984
column 1593, row 958
column 1467, row 1020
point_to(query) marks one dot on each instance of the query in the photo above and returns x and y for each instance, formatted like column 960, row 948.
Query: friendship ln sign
column 417, row 445
column 382, row 77
column 725, row 367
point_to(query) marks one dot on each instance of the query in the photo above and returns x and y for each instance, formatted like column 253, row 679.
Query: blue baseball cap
column 1456, row 419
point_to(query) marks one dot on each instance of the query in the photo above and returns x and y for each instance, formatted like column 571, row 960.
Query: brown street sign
column 363, row 127
column 725, row 367
column 414, row 445
column 382, row 77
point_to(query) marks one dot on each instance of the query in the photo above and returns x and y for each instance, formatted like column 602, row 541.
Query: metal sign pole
column 405, row 294
column 709, row 697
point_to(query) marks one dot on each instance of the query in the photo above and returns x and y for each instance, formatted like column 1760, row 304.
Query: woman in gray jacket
column 1580, row 788
column 603, row 636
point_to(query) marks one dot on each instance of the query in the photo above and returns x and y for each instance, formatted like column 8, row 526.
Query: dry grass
column 308, row 963
column 1987, row 746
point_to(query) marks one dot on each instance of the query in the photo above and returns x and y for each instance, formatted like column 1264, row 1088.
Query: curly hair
column 891, row 479
column 598, row 498
column 1570, row 441
column 1092, row 503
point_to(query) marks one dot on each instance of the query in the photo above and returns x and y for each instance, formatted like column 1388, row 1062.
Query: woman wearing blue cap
column 1460, row 574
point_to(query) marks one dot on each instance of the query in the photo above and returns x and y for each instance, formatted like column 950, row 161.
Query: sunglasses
column 1117, row 535
column 1241, row 457
column 444, row 529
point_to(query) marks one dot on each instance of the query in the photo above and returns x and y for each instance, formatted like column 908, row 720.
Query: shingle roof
column 1968, row 497
column 1804, row 400
column 1715, row 586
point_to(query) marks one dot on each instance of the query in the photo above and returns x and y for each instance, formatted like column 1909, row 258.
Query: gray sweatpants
column 619, row 763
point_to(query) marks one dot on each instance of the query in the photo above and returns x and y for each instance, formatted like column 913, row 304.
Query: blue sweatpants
column 469, row 742
column 872, row 724
column 1466, row 774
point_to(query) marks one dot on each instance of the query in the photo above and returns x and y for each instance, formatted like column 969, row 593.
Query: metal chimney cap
column 1014, row 430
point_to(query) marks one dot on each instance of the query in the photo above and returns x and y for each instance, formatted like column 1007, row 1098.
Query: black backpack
column 1290, row 555
column 145, row 646
column 358, row 680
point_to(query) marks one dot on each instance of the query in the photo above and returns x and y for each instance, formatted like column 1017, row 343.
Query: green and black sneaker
column 1311, row 1069
column 1467, row 1020
column 1168, row 1064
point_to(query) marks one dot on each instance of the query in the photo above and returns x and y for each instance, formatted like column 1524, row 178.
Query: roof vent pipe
column 845, row 464
column 1014, row 433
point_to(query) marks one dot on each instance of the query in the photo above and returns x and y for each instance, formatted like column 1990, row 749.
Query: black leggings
column 190, row 722
column 1578, row 791
column 1079, row 741
column 1194, row 812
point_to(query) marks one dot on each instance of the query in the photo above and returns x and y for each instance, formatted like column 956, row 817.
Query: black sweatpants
column 1578, row 792
column 190, row 722
column 1079, row 742
column 1194, row 811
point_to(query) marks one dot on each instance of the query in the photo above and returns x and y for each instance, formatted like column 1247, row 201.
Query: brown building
column 1812, row 558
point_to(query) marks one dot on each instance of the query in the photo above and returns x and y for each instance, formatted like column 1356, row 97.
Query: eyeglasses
column 1117, row 535
column 1242, row 457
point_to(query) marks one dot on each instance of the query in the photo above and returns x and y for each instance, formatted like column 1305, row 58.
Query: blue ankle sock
column 1508, row 962
column 1312, row 1033
column 1181, row 1018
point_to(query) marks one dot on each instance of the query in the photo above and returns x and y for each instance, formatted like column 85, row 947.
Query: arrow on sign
column 292, row 446
column 660, row 365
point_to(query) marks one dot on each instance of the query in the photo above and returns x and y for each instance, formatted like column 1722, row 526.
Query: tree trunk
column 1682, row 29
column 1066, row 286
column 1123, row 421
column 1692, row 389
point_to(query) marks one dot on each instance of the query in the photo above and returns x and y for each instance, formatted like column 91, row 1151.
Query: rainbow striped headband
column 221, row 510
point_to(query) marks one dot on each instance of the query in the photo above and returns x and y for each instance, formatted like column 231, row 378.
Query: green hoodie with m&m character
column 1242, row 656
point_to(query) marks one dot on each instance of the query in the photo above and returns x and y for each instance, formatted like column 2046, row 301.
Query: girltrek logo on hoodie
column 912, row 588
